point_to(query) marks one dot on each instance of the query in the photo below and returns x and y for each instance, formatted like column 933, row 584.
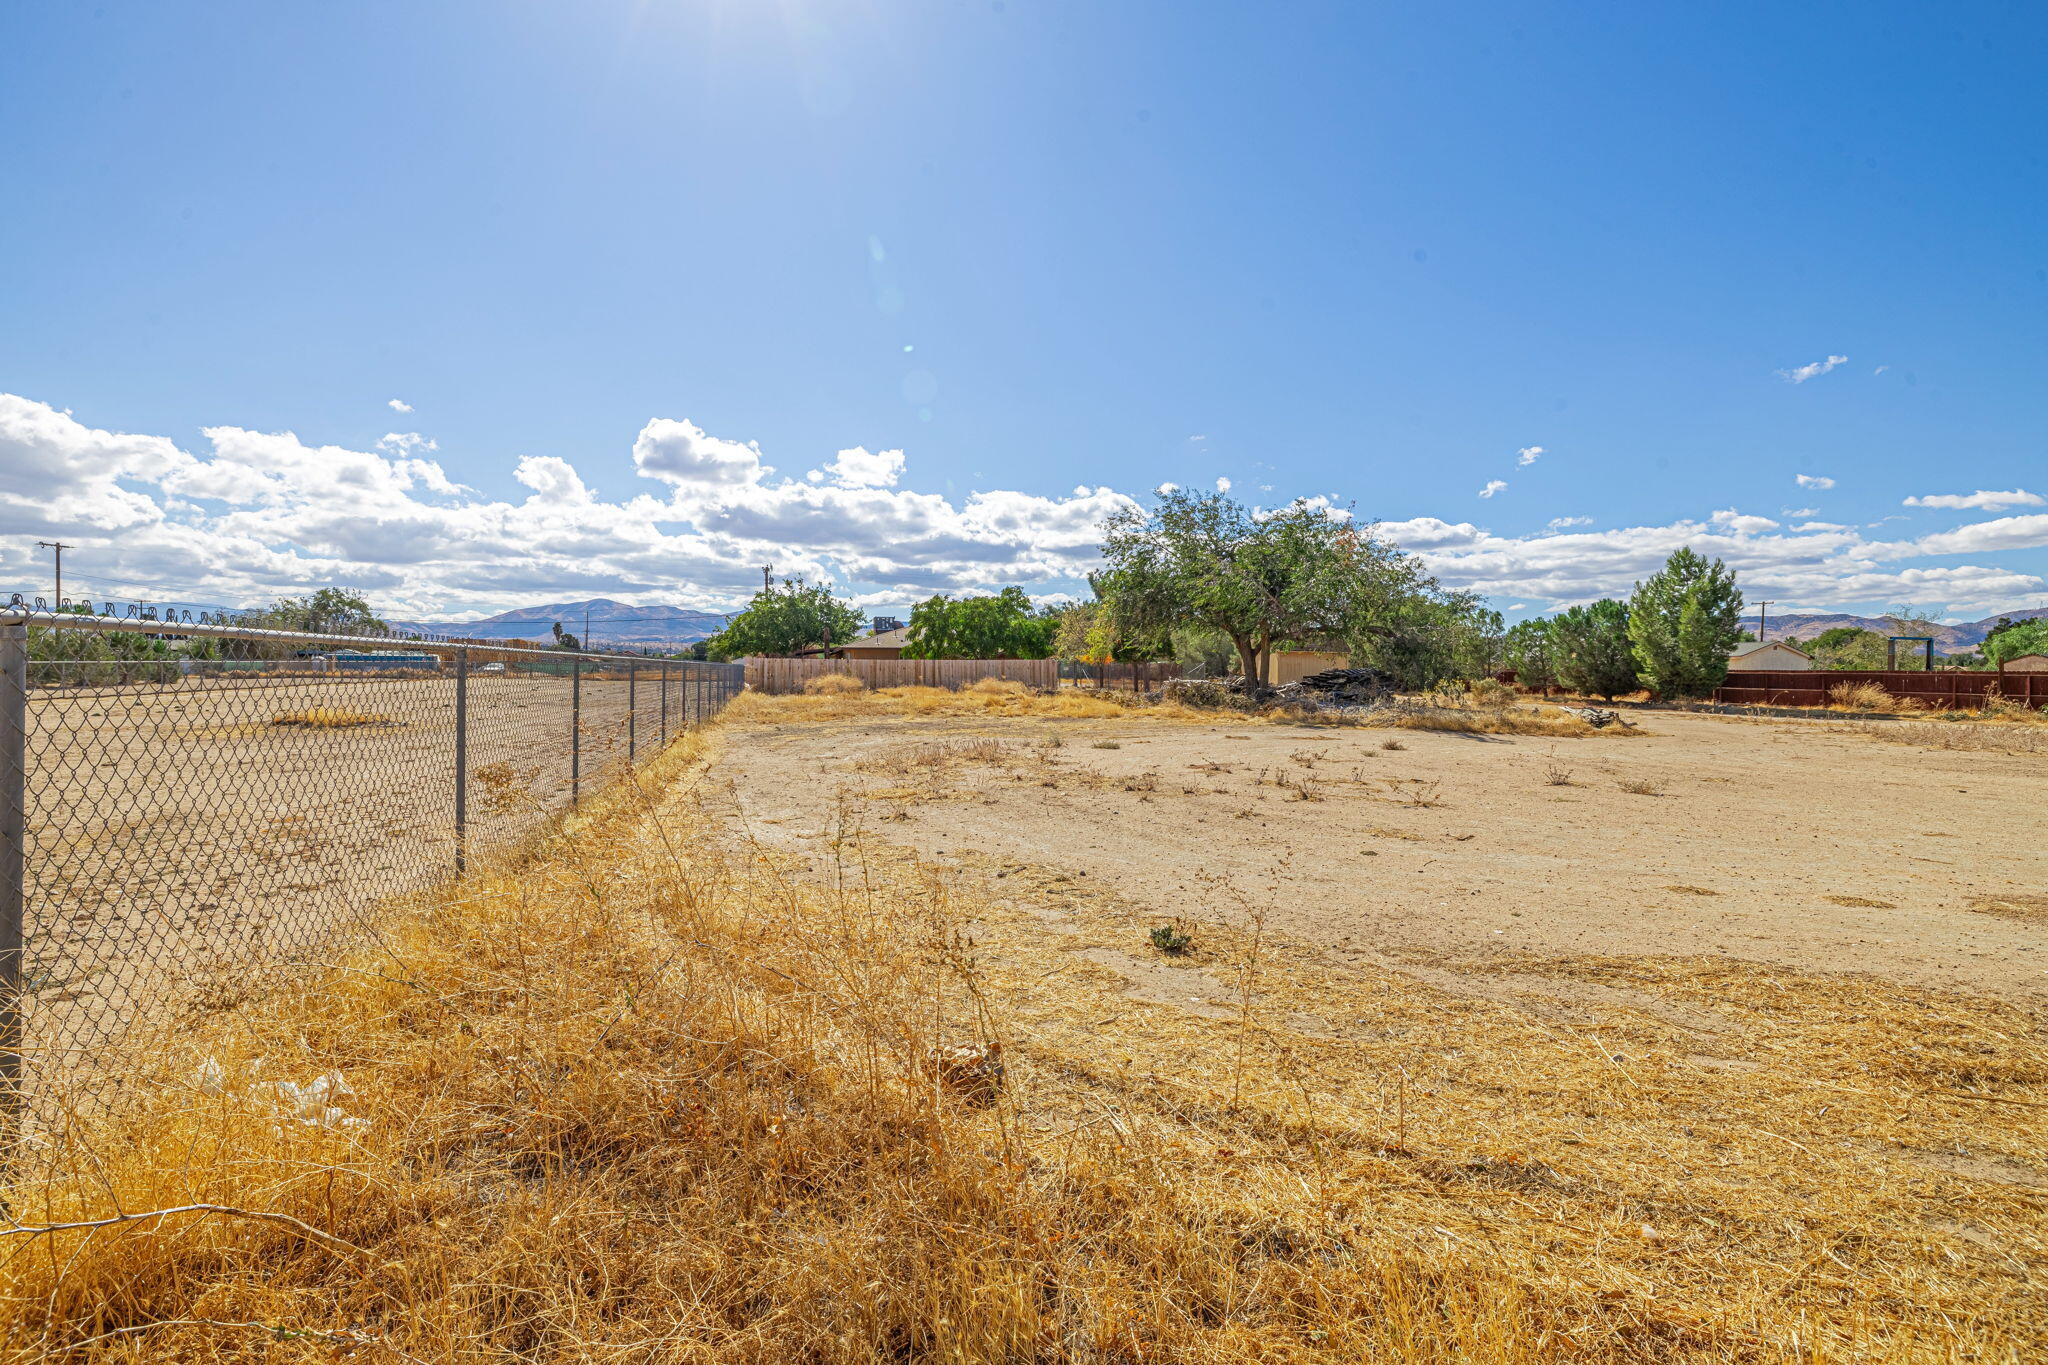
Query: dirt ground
column 1794, row 845
column 181, row 833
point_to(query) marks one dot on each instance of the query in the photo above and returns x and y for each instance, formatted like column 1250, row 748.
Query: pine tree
column 1682, row 623
column 1591, row 650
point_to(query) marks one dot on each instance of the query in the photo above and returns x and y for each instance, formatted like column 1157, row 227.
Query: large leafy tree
column 1425, row 635
column 2020, row 637
column 1682, row 622
column 1591, row 649
column 1000, row 627
column 330, row 611
column 1848, row 647
column 784, row 619
column 1298, row 575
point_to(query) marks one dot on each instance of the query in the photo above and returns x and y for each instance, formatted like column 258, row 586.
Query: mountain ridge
column 1950, row 638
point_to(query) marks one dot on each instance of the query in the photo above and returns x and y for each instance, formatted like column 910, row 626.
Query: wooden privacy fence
column 790, row 675
column 1940, row 690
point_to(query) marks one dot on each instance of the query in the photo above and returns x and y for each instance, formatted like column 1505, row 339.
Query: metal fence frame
column 705, row 688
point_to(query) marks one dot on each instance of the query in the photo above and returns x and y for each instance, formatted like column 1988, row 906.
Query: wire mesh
column 190, row 801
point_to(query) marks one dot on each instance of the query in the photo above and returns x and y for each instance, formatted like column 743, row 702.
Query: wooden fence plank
column 789, row 675
column 1941, row 690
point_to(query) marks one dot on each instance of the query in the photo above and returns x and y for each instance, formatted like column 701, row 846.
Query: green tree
column 1592, row 649
column 1295, row 576
column 2021, row 637
column 782, row 620
column 1427, row 636
column 1848, row 647
column 1682, row 622
column 565, row 640
column 1000, row 627
column 97, row 658
column 330, row 611
column 1527, row 649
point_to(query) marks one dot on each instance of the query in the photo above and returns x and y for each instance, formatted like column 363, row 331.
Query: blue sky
column 642, row 271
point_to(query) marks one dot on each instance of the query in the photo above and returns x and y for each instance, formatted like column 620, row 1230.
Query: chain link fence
column 182, row 801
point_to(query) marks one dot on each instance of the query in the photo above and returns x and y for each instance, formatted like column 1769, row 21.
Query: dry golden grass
column 657, row 1096
column 2007, row 735
column 1860, row 696
column 328, row 718
column 833, row 684
column 994, row 697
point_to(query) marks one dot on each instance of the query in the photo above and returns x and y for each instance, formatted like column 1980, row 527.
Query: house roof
column 1755, row 645
column 888, row 639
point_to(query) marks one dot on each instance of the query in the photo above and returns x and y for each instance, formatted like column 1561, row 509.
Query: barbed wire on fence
column 181, row 801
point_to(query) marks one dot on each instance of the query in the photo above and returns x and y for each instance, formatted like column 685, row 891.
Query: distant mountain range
column 1949, row 639
column 611, row 623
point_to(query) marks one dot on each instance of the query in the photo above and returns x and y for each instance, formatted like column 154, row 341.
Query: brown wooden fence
column 1942, row 690
column 790, row 675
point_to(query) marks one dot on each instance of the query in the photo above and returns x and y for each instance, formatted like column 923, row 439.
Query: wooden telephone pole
column 57, row 549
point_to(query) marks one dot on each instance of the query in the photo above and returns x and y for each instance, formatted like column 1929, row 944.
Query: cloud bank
column 244, row 516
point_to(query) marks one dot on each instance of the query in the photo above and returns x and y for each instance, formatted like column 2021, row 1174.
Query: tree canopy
column 1004, row 626
column 2010, row 641
column 1299, row 575
column 784, row 619
column 1682, row 622
column 1526, row 648
column 330, row 611
column 1592, row 651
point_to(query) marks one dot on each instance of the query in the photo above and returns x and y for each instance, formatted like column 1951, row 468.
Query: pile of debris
column 1340, row 687
column 1330, row 689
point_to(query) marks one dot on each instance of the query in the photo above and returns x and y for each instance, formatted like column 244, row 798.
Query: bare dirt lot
column 178, row 830
column 1794, row 845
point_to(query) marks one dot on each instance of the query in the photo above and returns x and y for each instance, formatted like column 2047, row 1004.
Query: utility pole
column 767, row 578
column 1761, row 608
column 585, row 639
column 57, row 549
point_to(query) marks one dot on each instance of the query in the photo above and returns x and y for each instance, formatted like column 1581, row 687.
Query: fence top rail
column 144, row 625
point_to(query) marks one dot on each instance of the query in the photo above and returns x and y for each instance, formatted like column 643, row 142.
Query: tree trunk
column 1247, row 658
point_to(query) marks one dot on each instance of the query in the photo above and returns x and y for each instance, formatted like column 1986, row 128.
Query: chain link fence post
column 13, row 861
column 632, row 714
column 461, row 761
column 576, row 730
column 665, row 671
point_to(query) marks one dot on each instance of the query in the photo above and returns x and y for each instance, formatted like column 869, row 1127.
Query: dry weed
column 329, row 718
column 656, row 1096
column 833, row 685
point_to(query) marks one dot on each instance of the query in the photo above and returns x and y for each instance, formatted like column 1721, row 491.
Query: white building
column 1776, row 654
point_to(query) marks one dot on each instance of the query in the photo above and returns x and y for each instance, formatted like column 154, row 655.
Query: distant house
column 1776, row 654
column 2025, row 663
column 889, row 644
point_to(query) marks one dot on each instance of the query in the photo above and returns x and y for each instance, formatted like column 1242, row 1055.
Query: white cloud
column 1742, row 525
column 405, row 443
column 1799, row 511
column 1880, row 369
column 399, row 405
column 1818, row 367
column 1492, row 486
column 1527, row 456
column 1166, row 488
column 679, row 452
column 1820, row 481
column 1980, row 500
column 857, row 468
column 1222, row 484
column 244, row 516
